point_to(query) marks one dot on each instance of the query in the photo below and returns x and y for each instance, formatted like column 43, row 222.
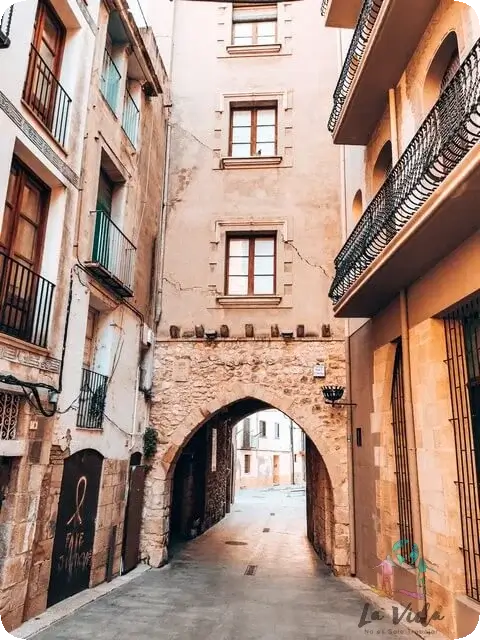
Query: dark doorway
column 189, row 486
column 75, row 529
column 133, row 514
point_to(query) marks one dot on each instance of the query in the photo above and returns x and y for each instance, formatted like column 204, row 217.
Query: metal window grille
column 401, row 457
column 91, row 406
column 9, row 412
column 462, row 334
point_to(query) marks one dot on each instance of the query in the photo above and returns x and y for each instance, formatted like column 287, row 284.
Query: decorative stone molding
column 251, row 162
column 249, row 302
column 16, row 117
column 28, row 358
column 254, row 50
column 284, row 152
column 283, row 229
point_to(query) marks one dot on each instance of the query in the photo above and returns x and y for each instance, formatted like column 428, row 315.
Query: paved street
column 205, row 594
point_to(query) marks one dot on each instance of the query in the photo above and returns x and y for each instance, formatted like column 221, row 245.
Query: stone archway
column 324, row 426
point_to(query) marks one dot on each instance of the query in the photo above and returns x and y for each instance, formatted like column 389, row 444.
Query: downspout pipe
column 410, row 429
column 162, row 228
column 349, row 426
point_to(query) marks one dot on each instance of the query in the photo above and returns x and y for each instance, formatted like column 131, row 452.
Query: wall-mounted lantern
column 333, row 394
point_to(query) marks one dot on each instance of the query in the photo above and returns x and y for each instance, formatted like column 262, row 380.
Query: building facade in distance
column 270, row 451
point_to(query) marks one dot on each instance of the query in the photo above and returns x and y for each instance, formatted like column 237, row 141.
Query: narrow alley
column 205, row 591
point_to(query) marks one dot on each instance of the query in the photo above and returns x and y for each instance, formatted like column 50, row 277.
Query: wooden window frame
column 247, row 457
column 254, row 109
column 44, row 8
column 24, row 176
column 252, row 237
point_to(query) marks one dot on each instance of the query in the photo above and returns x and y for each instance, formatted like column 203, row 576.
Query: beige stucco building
column 252, row 227
column 81, row 173
column 270, row 451
column 406, row 112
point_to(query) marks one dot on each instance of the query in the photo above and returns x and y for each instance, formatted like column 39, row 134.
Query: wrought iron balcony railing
column 110, row 81
column 131, row 118
column 361, row 36
column 5, row 24
column 445, row 137
column 91, row 404
column 46, row 97
column 113, row 256
column 25, row 302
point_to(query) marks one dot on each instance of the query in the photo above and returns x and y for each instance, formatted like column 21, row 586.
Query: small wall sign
column 320, row 370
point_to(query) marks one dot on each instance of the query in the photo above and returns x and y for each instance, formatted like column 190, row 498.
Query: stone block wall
column 110, row 514
column 320, row 508
column 44, row 535
column 218, row 480
column 194, row 380
column 18, row 519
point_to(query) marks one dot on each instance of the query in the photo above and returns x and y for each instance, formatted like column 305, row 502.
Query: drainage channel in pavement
column 251, row 570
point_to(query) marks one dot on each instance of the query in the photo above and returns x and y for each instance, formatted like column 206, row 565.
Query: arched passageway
column 200, row 483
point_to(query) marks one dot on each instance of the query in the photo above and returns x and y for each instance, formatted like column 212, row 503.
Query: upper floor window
column 25, row 297
column 111, row 77
column 251, row 265
column 253, row 131
column 262, row 428
column 24, row 217
column 131, row 113
column 277, row 430
column 254, row 25
column 43, row 92
column 90, row 337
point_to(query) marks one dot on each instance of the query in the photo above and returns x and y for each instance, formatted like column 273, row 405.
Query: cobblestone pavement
column 204, row 594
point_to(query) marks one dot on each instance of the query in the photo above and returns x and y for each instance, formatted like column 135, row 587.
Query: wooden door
column 75, row 527
column 276, row 469
column 133, row 518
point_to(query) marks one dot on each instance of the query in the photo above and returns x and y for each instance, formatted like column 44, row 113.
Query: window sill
column 15, row 448
column 6, row 339
column 253, row 49
column 252, row 162
column 249, row 302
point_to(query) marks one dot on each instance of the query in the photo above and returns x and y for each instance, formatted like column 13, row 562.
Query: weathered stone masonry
column 195, row 379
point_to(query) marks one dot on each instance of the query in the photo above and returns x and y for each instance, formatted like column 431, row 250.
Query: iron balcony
column 426, row 208
column 46, row 97
column 385, row 37
column 5, row 24
column 113, row 256
column 25, row 302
